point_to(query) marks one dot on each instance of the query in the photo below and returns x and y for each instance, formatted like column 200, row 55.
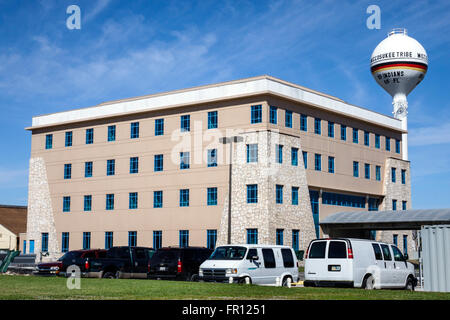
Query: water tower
column 399, row 64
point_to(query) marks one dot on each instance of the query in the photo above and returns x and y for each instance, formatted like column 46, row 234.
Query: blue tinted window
column 66, row 204
column 112, row 133
column 132, row 200
column 212, row 120
column 184, row 238
column 378, row 173
column 317, row 126
column 110, row 201
column 305, row 159
column 288, row 119
column 157, row 199
column 68, row 142
column 132, row 238
column 86, row 240
column 388, row 144
column 343, row 200
column 212, row 158
column 294, row 156
column 397, row 146
column 356, row 169
column 184, row 160
column 211, row 239
column 134, row 130
column 317, row 162
column 68, row 171
column 159, row 127
column 331, row 129
column 367, row 171
column 279, row 153
column 185, row 123
column 355, row 135
column 48, row 141
column 256, row 114
column 212, row 196
column 252, row 153
column 377, row 141
column 184, row 198
column 279, row 237
column 110, row 167
column 44, row 242
column 366, row 138
column 158, row 162
column 343, row 132
column 157, row 239
column 393, row 175
column 90, row 136
column 88, row 167
column 403, row 205
column 403, row 176
column 279, row 194
column 303, row 122
column 394, row 204
column 108, row 239
column 273, row 115
column 252, row 193
column 252, row 236
column 87, row 202
column 295, row 239
column 65, row 242
column 295, row 196
column 134, row 165
column 331, row 164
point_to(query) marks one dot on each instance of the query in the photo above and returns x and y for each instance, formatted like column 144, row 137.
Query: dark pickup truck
column 121, row 262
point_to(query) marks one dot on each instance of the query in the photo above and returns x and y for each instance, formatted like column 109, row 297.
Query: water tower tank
column 398, row 64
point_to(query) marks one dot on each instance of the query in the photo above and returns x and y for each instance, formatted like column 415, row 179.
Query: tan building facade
column 153, row 170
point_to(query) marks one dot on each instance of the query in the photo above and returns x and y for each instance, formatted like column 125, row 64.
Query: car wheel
column 369, row 283
column 284, row 283
column 245, row 280
column 409, row 284
column 194, row 278
column 110, row 275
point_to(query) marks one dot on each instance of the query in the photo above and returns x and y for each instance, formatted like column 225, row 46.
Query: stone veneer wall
column 400, row 192
column 266, row 215
column 40, row 210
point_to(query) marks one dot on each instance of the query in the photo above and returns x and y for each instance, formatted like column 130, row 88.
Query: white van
column 257, row 264
column 357, row 263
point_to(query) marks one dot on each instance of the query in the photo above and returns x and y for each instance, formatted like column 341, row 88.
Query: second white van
column 357, row 263
column 257, row 264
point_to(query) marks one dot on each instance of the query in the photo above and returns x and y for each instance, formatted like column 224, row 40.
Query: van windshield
column 228, row 253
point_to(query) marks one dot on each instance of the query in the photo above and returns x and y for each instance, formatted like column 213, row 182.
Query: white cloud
column 432, row 135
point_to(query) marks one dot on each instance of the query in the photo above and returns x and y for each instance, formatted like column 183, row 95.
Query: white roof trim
column 223, row 91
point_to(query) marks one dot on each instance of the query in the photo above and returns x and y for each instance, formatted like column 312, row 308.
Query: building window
column 273, row 115
column 397, row 146
column 68, row 171
column 378, row 173
column 330, row 129
column 110, row 167
column 295, row 196
column 403, row 205
column 86, row 240
column 132, row 238
column 279, row 237
column 185, row 123
column 343, row 200
column 356, row 169
column 279, row 153
column 31, row 251
column 388, row 144
column 134, row 130
column 212, row 158
column 252, row 236
column 132, row 200
column 159, row 127
column 88, row 166
column 343, row 132
column 295, row 240
column 317, row 126
column 88, row 202
column 393, row 175
column 212, row 120
column 65, row 242
column 110, row 201
column 48, row 141
column 211, row 239
column 158, row 162
column 366, row 138
column 68, row 142
column 211, row 196
column 44, row 242
column 279, row 194
column 184, row 238
column 157, row 239
column 252, row 153
column 395, row 239
column 367, row 171
column 90, row 136
column 331, row 164
column 405, row 244
column 394, row 204
column 256, row 114
column 252, row 193
column 403, row 176
column 108, row 239
column 134, row 164
column 318, row 162
column 305, row 159
column 314, row 196
column 294, row 156
column 112, row 133
column 303, row 122
column 377, row 141
column 184, row 160
column 373, row 204
column 66, row 204
column 288, row 119
column 157, row 199
column 355, row 135
column 184, row 198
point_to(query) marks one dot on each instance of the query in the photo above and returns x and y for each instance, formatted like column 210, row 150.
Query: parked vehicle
column 76, row 257
column 121, row 262
column 357, row 263
column 257, row 264
column 178, row 263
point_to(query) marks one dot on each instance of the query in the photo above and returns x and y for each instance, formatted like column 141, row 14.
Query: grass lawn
column 32, row 287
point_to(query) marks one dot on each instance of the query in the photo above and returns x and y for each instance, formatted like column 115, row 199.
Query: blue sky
column 132, row 48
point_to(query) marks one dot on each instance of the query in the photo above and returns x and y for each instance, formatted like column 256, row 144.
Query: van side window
column 269, row 258
column 317, row 250
column 337, row 250
column 251, row 253
column 386, row 252
column 398, row 256
column 288, row 260
column 377, row 251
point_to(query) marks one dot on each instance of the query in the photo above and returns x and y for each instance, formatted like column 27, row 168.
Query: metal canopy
column 386, row 220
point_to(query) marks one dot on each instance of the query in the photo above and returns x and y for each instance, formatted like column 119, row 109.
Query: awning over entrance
column 385, row 220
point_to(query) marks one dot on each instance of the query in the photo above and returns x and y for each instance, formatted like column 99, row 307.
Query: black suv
column 178, row 263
